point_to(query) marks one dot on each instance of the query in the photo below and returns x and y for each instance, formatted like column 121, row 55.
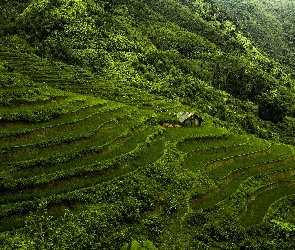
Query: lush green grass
column 186, row 133
column 85, row 162
column 283, row 208
column 92, row 141
column 260, row 201
column 213, row 160
column 86, row 142
column 95, row 141
column 276, row 152
column 95, row 149
column 217, row 142
column 80, row 107
column 65, row 136
column 65, row 133
column 231, row 176
column 77, row 182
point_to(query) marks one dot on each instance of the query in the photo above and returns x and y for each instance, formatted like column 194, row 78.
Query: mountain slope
column 269, row 24
column 183, row 50
column 80, row 171
column 86, row 161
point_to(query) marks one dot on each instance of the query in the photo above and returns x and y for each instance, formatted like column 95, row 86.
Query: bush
column 272, row 107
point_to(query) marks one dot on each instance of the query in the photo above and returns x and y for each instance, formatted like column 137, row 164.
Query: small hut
column 189, row 119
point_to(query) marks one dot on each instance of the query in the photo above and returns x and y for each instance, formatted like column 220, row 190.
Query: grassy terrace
column 219, row 159
column 68, row 116
column 66, row 136
column 87, row 140
column 48, row 160
column 50, row 135
column 229, row 167
column 77, row 133
column 260, row 201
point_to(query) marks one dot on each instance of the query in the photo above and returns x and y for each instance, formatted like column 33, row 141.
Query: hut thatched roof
column 182, row 116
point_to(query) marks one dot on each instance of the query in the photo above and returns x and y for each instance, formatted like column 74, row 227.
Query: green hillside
column 92, row 154
column 269, row 24
column 188, row 51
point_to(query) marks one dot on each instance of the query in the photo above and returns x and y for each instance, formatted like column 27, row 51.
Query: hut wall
column 192, row 121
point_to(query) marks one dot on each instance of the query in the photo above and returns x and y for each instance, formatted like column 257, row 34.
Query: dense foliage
column 84, row 162
column 269, row 24
column 176, row 49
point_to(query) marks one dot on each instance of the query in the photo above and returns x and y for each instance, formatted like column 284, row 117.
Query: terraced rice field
column 66, row 159
column 88, row 140
column 248, row 174
column 64, row 138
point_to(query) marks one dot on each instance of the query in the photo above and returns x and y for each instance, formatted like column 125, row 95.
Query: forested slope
column 184, row 50
column 86, row 162
column 269, row 24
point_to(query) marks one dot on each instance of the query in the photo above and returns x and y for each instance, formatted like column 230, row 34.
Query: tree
column 272, row 106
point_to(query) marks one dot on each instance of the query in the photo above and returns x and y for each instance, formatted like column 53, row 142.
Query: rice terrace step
column 65, row 137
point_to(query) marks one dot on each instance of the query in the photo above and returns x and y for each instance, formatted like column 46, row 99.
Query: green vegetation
column 269, row 24
column 86, row 161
